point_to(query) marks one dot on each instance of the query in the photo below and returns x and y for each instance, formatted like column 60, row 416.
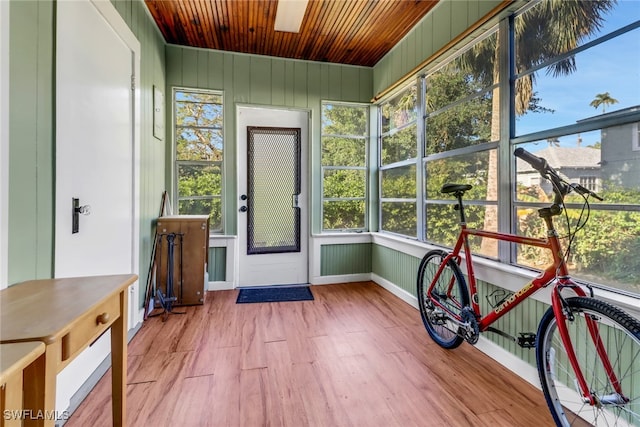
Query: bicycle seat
column 455, row 188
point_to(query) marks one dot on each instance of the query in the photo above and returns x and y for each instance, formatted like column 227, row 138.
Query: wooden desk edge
column 19, row 356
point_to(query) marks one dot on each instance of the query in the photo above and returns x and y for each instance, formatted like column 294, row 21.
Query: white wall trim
column 109, row 12
column 4, row 143
column 405, row 296
column 341, row 278
column 231, row 243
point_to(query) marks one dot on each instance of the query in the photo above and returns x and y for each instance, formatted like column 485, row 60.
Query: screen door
column 273, row 190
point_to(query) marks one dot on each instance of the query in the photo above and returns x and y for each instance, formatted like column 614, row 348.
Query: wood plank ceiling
column 356, row 32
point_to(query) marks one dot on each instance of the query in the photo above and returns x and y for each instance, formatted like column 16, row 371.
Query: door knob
column 75, row 212
column 243, row 208
column 83, row 210
column 243, row 197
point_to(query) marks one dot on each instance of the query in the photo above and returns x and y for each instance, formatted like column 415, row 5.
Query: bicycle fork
column 563, row 314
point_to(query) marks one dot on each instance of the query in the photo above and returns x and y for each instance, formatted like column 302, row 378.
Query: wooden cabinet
column 185, row 238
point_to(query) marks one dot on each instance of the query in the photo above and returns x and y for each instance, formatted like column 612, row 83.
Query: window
column 572, row 96
column 398, row 156
column 589, row 182
column 199, row 153
column 580, row 116
column 462, row 119
column 345, row 136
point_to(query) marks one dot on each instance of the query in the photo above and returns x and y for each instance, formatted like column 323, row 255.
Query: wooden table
column 14, row 359
column 67, row 315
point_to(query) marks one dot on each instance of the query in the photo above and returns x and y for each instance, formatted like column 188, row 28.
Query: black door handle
column 75, row 212
column 243, row 208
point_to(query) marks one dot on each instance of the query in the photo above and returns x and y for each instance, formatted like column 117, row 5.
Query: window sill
column 509, row 277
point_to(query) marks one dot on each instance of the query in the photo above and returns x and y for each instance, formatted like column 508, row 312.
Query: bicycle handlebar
column 560, row 187
column 536, row 162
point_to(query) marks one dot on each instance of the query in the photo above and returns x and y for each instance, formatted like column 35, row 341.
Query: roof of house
column 565, row 157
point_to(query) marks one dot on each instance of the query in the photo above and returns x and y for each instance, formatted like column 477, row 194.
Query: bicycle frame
column 557, row 270
column 557, row 273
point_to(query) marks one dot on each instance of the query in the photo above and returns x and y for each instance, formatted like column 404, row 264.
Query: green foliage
column 609, row 246
column 606, row 250
column 468, row 123
column 399, row 217
column 399, row 146
column 199, row 153
column 344, row 161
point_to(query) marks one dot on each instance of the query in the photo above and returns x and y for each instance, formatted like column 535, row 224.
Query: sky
column 613, row 67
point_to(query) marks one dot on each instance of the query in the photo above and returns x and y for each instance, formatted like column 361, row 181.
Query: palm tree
column 603, row 99
column 549, row 29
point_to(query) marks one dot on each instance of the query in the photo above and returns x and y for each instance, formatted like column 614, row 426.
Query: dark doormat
column 274, row 294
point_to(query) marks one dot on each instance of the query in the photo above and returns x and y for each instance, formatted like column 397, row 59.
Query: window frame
column 508, row 140
column 177, row 163
column 365, row 168
column 401, row 163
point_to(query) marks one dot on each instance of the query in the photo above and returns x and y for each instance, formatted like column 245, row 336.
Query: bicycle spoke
column 442, row 293
column 620, row 335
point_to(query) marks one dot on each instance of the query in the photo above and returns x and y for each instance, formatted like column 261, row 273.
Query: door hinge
column 133, row 83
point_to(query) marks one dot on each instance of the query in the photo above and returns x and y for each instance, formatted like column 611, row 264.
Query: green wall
column 396, row 267
column 31, row 148
column 267, row 81
column 32, row 135
column 217, row 264
column 245, row 79
column 339, row 259
column 446, row 21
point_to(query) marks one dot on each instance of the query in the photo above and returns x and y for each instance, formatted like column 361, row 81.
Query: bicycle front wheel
column 620, row 334
column 446, row 301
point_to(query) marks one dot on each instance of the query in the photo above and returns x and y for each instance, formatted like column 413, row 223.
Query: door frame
column 117, row 23
column 305, row 220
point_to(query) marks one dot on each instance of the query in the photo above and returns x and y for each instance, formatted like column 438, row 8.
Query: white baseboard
column 84, row 390
column 396, row 290
column 220, row 286
column 343, row 278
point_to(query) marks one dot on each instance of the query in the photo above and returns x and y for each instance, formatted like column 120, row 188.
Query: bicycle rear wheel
column 620, row 334
column 450, row 291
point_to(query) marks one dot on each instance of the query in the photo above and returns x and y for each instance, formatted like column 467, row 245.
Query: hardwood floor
column 355, row 356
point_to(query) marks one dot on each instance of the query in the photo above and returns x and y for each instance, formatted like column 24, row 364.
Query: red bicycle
column 587, row 350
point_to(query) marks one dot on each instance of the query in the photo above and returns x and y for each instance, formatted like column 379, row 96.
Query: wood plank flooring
column 355, row 356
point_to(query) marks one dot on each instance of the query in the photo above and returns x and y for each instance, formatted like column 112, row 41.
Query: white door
column 94, row 159
column 272, row 196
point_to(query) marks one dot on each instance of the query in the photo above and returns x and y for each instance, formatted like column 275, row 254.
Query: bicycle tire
column 444, row 332
column 621, row 334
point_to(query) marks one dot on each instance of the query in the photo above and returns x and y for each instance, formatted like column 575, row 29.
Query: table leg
column 40, row 388
column 11, row 405
column 119, row 363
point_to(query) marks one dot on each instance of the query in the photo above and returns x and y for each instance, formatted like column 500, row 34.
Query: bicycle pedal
column 527, row 339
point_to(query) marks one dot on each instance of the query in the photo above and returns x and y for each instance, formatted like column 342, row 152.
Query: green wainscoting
column 217, row 264
column 400, row 269
column 340, row 259
column 523, row 318
column 396, row 267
